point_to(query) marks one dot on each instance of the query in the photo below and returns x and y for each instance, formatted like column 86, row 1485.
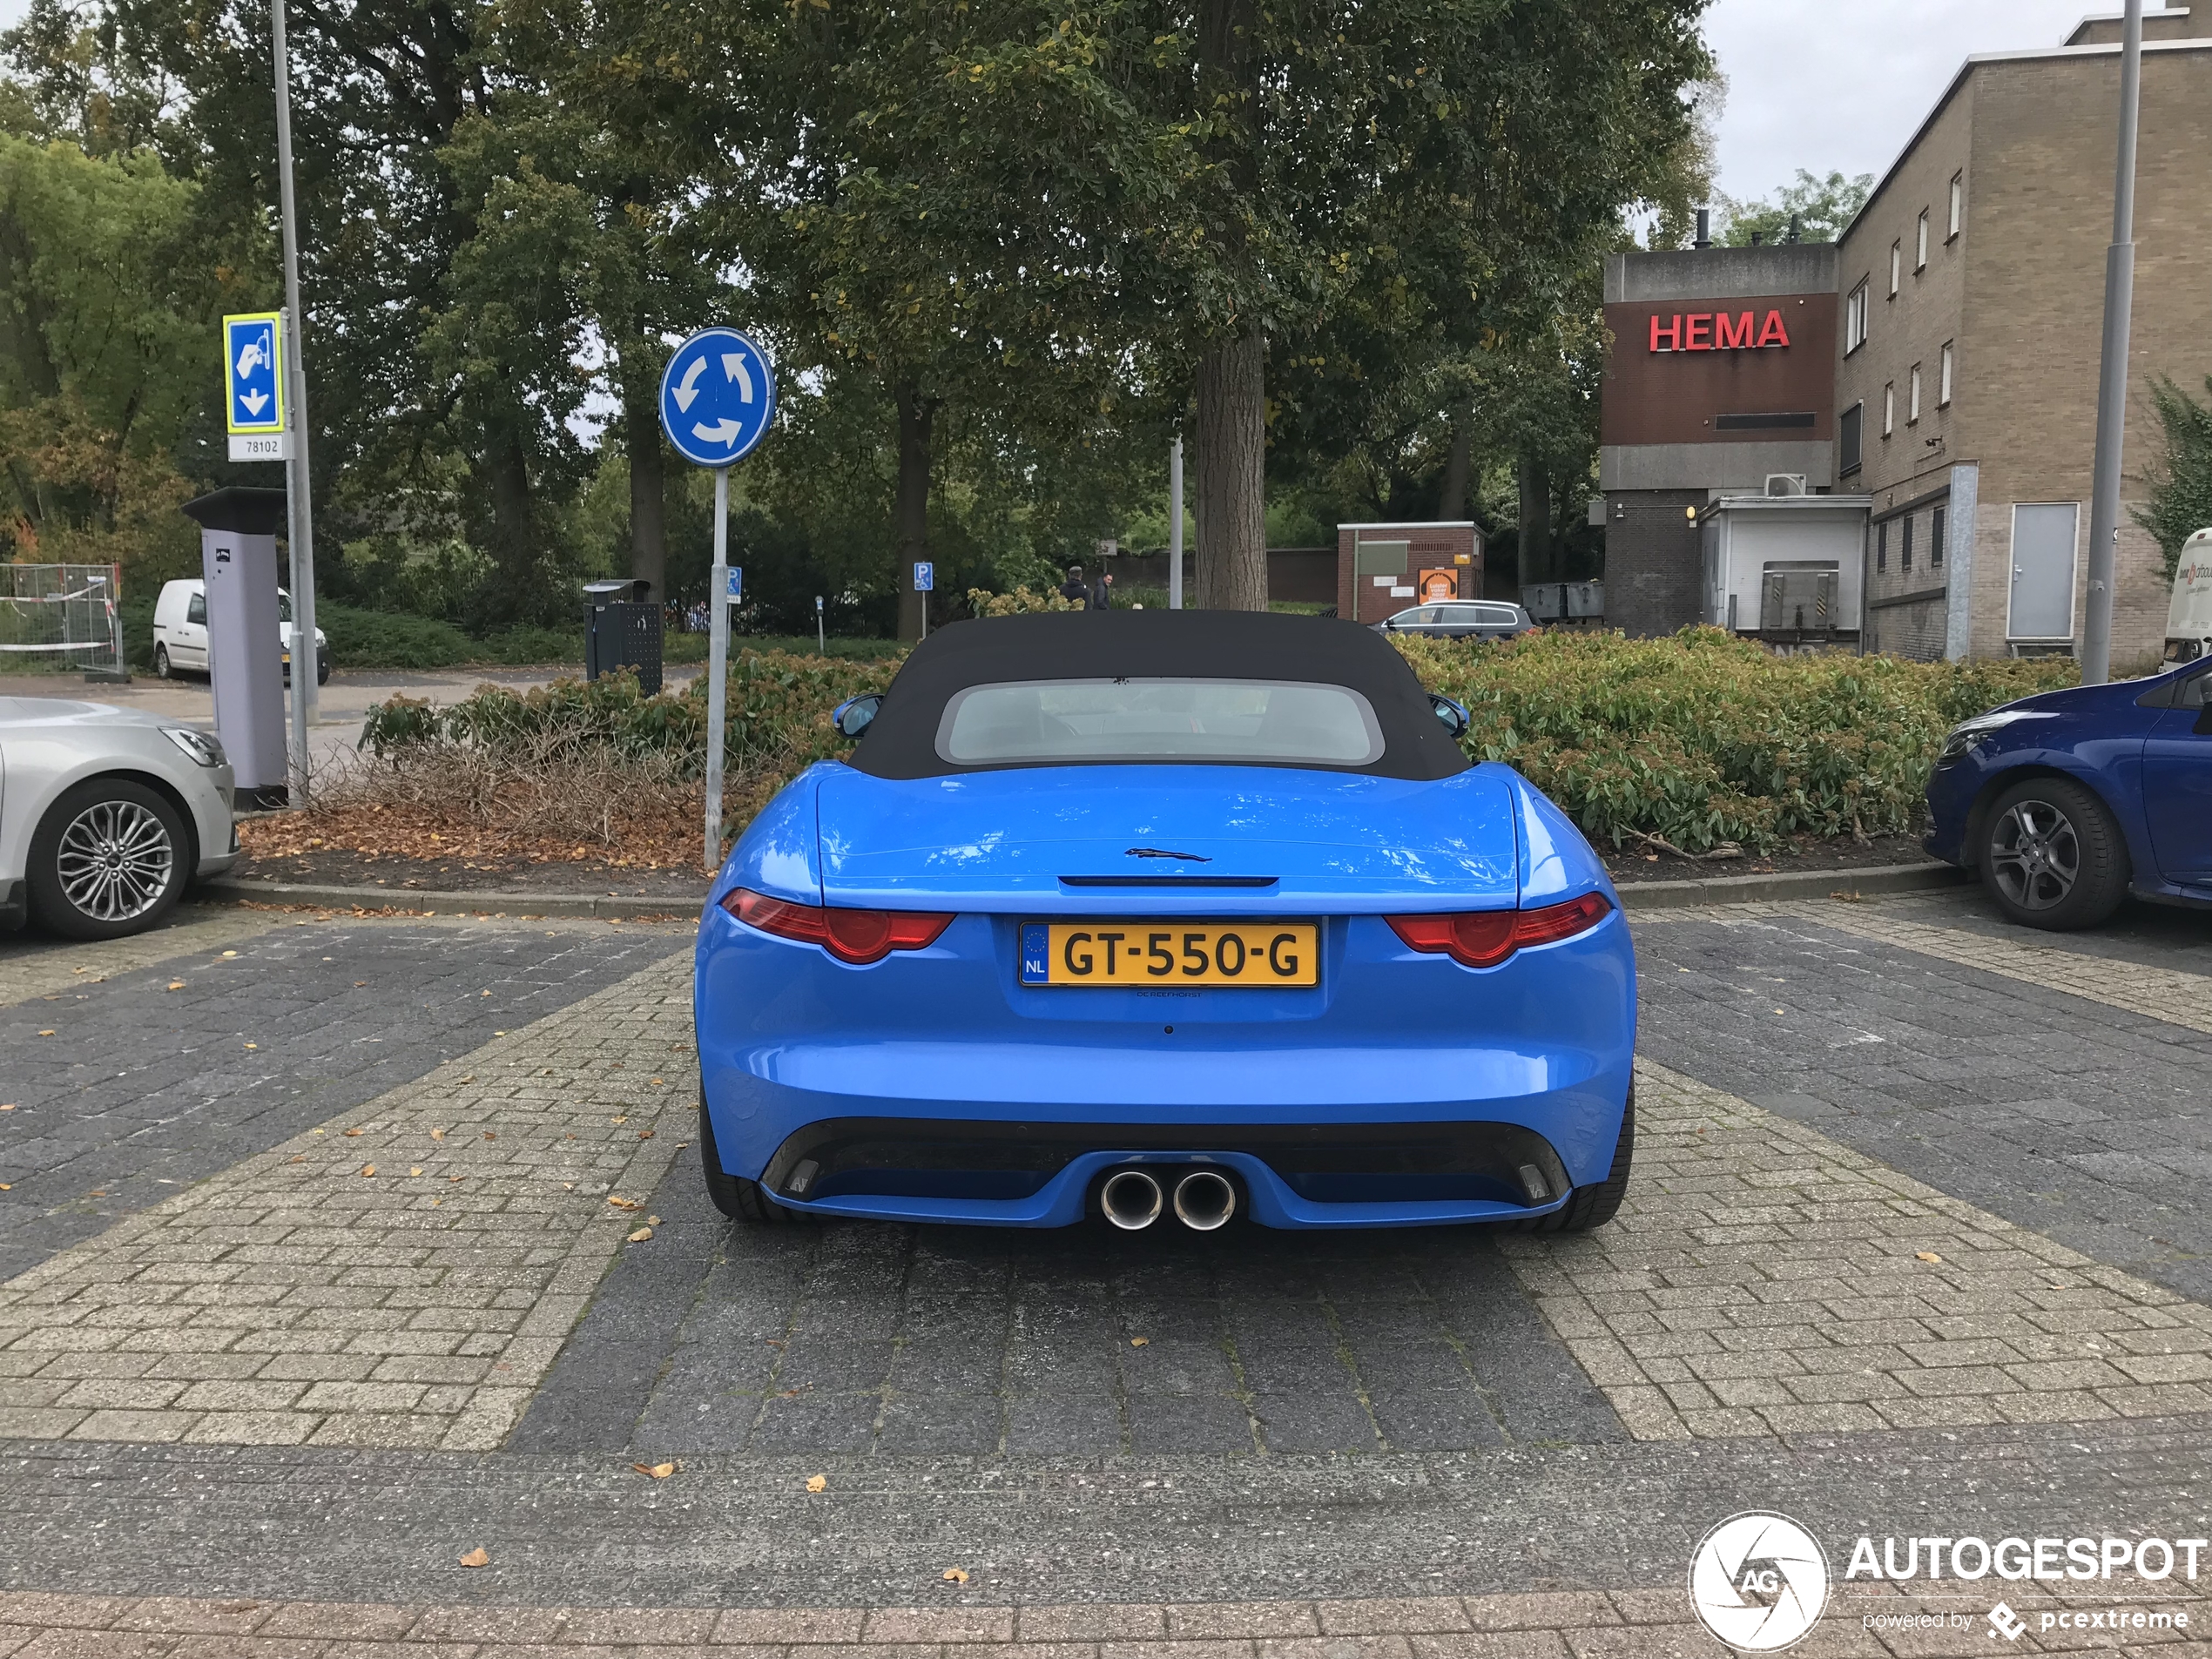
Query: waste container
column 622, row 628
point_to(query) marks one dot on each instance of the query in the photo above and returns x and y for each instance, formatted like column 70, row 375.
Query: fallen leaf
column 655, row 1081
column 477, row 1557
column 956, row 1575
column 622, row 1204
column 359, row 983
column 228, row 955
column 652, row 1221
column 437, row 1135
column 658, row 1471
column 817, row 1482
column 499, row 1033
column 1140, row 1342
column 7, row 1186
column 489, row 1136
column 484, row 994
column 417, row 1170
column 640, row 1235
column 645, row 1135
column 252, row 1045
column 623, row 1119
column 10, row 1107
column 368, row 1168
column 351, row 1133
column 176, row 985
column 1927, row 1256
column 48, row 1033
column 302, row 1159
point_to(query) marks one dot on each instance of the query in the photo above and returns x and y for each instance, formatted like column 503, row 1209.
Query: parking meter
column 238, row 527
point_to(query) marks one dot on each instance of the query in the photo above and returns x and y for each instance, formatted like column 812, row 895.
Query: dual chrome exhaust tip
column 1133, row 1198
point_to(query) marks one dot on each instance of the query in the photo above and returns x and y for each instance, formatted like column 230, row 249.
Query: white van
column 2189, row 615
column 180, row 632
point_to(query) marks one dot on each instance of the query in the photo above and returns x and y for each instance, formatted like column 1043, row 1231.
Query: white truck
column 2189, row 615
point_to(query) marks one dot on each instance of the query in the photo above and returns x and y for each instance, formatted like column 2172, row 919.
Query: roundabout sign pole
column 717, row 399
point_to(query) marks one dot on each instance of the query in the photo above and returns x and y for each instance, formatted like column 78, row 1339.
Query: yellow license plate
column 1172, row 953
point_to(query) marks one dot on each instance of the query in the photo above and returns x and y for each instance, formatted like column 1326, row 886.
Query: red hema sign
column 1718, row 331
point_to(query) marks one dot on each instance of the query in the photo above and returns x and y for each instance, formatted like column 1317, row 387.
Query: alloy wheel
column 115, row 861
column 2035, row 855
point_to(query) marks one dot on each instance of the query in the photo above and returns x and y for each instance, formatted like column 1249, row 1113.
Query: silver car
column 1461, row 619
column 106, row 815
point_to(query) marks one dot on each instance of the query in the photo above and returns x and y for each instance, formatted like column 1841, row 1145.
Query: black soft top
column 1151, row 644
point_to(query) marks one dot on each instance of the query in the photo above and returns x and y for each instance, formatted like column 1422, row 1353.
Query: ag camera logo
column 1759, row 1581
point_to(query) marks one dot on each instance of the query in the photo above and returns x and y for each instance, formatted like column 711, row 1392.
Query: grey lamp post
column 2112, row 377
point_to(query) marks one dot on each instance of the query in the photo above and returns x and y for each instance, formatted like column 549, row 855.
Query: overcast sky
column 1840, row 87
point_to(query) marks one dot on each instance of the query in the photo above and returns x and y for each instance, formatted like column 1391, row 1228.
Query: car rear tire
column 111, row 858
column 161, row 669
column 735, row 1196
column 1593, row 1206
column 2053, row 856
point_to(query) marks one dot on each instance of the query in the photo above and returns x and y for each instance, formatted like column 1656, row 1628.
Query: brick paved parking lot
column 1915, row 1244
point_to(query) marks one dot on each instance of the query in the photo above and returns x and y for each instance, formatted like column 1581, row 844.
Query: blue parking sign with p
column 925, row 576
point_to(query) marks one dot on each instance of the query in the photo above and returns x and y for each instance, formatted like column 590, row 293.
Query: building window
column 1943, row 377
column 1912, row 397
column 1882, row 545
column 1855, row 319
column 1921, row 243
column 1896, row 267
column 1905, row 548
column 1958, row 204
column 1889, row 409
column 1847, row 431
column 1935, row 540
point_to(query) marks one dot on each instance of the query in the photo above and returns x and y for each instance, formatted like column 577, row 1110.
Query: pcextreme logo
column 1759, row 1581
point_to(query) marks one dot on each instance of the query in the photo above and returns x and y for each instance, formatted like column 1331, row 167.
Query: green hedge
column 1699, row 738
column 1704, row 737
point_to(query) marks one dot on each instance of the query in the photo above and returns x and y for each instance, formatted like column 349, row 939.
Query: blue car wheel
column 2052, row 855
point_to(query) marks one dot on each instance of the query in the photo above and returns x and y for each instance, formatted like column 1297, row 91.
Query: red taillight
column 1484, row 938
column 855, row 936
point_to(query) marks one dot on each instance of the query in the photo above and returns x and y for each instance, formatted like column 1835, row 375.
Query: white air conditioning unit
column 1785, row 483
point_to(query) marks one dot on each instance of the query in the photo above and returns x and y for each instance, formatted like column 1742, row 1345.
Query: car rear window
column 1060, row 721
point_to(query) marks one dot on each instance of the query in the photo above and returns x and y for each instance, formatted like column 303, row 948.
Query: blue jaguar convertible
column 1141, row 914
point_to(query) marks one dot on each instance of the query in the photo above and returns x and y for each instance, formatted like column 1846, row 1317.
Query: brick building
column 1959, row 394
column 1972, row 287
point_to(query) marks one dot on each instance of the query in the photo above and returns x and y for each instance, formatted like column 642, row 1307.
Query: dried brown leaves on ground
column 504, row 810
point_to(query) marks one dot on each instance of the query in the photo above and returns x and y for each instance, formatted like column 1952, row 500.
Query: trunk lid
column 1332, row 842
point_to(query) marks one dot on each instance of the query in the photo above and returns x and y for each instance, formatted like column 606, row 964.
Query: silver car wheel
column 115, row 861
column 2035, row 855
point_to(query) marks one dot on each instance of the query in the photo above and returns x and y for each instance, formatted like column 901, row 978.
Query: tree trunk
column 1231, row 432
column 1451, row 504
column 1535, row 523
column 910, row 516
column 1231, row 439
column 647, row 509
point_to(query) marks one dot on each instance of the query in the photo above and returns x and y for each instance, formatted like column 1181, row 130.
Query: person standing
column 1074, row 588
column 1101, row 591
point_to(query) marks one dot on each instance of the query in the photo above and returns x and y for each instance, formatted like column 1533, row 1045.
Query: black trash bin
column 622, row 630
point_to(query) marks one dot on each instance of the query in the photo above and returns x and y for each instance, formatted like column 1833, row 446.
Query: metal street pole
column 298, row 496
column 1175, row 524
column 717, row 666
column 2112, row 378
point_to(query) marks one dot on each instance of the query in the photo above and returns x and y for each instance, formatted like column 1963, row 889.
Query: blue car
column 2067, row 801
column 1137, row 915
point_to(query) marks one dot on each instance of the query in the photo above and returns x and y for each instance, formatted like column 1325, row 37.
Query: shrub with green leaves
column 1699, row 738
column 1704, row 737
column 777, row 717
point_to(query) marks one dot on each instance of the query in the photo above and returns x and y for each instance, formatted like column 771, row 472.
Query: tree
column 1811, row 210
column 2180, row 476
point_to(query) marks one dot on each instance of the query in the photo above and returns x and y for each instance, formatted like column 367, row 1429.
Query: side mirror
column 1453, row 717
column 855, row 715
